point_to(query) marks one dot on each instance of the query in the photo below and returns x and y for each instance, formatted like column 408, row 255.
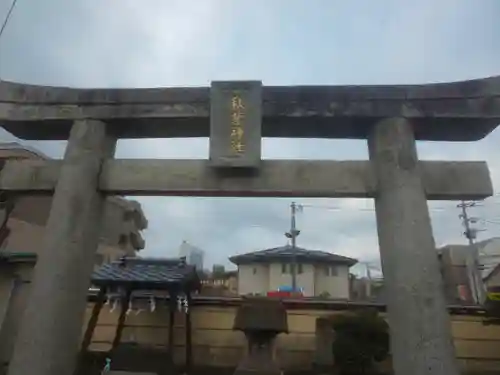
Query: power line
column 7, row 18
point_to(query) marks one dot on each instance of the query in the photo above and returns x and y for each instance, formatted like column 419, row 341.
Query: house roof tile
column 287, row 252
column 147, row 273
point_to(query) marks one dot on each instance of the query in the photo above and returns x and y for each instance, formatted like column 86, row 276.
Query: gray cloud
column 156, row 43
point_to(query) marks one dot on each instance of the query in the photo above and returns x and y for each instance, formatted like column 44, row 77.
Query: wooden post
column 171, row 323
column 7, row 205
column 189, row 348
column 94, row 318
column 51, row 327
column 89, row 331
column 121, row 319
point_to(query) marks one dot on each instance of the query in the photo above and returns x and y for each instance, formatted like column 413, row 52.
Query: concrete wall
column 261, row 278
column 214, row 341
column 216, row 344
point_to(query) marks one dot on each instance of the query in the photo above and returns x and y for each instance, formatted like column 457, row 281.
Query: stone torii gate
column 235, row 115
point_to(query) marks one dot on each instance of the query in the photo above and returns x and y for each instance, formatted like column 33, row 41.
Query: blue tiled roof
column 15, row 257
column 287, row 252
column 145, row 271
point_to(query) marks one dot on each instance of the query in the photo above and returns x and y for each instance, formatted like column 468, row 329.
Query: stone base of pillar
column 323, row 353
column 259, row 358
column 261, row 319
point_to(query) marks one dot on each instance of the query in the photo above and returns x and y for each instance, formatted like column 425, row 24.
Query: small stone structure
column 324, row 359
column 261, row 320
column 235, row 115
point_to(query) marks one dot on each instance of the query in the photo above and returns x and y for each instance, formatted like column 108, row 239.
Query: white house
column 318, row 272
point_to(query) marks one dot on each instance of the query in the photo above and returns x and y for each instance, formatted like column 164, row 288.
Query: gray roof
column 285, row 253
column 146, row 273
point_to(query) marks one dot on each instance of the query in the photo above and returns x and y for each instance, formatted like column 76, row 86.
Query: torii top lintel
column 458, row 111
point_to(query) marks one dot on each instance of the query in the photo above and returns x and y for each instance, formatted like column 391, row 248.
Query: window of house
column 283, row 268
column 289, row 268
column 326, row 270
column 330, row 271
column 334, row 271
column 299, row 268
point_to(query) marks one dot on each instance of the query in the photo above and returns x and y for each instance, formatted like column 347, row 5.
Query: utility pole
column 472, row 269
column 369, row 284
column 294, row 232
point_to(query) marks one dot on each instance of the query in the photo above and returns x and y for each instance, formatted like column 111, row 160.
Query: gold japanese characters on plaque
column 237, row 123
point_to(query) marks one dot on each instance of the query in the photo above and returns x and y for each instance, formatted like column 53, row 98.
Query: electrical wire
column 7, row 18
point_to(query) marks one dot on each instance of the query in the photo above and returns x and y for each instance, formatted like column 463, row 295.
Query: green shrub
column 361, row 340
column 324, row 295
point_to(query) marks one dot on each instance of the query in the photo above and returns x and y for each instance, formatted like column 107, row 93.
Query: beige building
column 122, row 223
column 319, row 273
column 225, row 284
column 457, row 269
column 23, row 234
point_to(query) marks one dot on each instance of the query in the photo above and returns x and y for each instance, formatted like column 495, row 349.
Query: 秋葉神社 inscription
column 235, row 116
column 237, row 120
column 235, row 124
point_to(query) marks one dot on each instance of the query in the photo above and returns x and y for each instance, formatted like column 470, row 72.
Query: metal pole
column 473, row 269
column 369, row 283
column 293, row 235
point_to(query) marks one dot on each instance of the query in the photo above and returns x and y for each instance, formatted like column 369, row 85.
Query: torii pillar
column 421, row 337
column 50, row 334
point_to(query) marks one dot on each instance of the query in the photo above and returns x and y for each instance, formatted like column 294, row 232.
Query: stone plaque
column 235, row 124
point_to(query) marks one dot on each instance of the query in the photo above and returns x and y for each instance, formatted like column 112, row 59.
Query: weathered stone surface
column 324, row 337
column 50, row 330
column 261, row 319
column 421, row 339
column 261, row 314
column 235, row 124
column 456, row 111
column 442, row 180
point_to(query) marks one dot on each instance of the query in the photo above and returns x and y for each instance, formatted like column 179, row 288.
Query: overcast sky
column 149, row 43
